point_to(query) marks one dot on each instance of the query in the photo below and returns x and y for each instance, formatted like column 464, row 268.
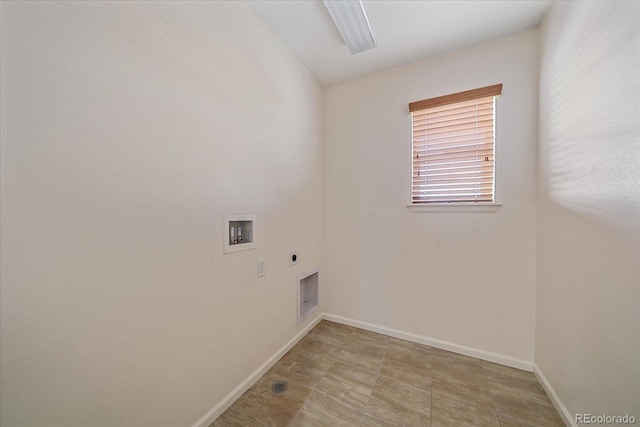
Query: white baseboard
column 228, row 400
column 432, row 342
column 553, row 396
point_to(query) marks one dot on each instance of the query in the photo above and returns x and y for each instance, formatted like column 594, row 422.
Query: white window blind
column 454, row 147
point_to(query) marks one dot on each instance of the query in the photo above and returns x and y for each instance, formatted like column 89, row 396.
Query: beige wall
column 128, row 131
column 588, row 295
column 464, row 278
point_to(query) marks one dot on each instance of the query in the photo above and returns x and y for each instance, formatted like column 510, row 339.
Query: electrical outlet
column 293, row 258
column 262, row 267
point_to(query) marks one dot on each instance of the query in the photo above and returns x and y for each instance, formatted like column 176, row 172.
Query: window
column 454, row 147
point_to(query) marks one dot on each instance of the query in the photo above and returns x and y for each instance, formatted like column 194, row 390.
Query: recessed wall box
column 239, row 233
column 308, row 284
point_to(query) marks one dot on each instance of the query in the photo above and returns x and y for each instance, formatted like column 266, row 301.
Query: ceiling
column 406, row 31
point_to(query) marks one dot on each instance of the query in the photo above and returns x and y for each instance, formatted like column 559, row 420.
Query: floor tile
column 508, row 422
column 398, row 403
column 459, row 359
column 321, row 410
column 320, row 344
column 367, row 347
column 368, row 336
column 526, row 410
column 233, row 418
column 332, row 328
column 466, row 392
column 251, row 389
column 445, row 364
column 274, row 409
column 445, row 411
column 304, row 367
column 371, row 420
column 349, row 380
column 514, row 381
column 415, row 347
column 407, row 364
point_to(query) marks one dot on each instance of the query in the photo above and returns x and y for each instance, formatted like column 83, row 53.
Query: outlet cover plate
column 262, row 267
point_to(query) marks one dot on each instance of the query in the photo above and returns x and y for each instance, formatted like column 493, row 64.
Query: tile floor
column 343, row 376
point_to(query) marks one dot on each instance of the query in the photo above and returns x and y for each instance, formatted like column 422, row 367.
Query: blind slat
column 480, row 125
column 465, row 150
column 458, row 144
column 461, row 128
column 444, row 109
column 452, row 181
column 432, row 118
column 453, row 168
column 453, row 197
column 473, row 116
column 430, row 165
column 450, row 166
column 433, row 155
column 440, row 177
column 486, row 103
column 456, row 190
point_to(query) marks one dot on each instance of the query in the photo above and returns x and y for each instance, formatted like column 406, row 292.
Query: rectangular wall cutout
column 308, row 302
column 240, row 232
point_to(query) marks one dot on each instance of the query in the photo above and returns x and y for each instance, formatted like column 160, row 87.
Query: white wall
column 588, row 296
column 465, row 278
column 128, row 131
